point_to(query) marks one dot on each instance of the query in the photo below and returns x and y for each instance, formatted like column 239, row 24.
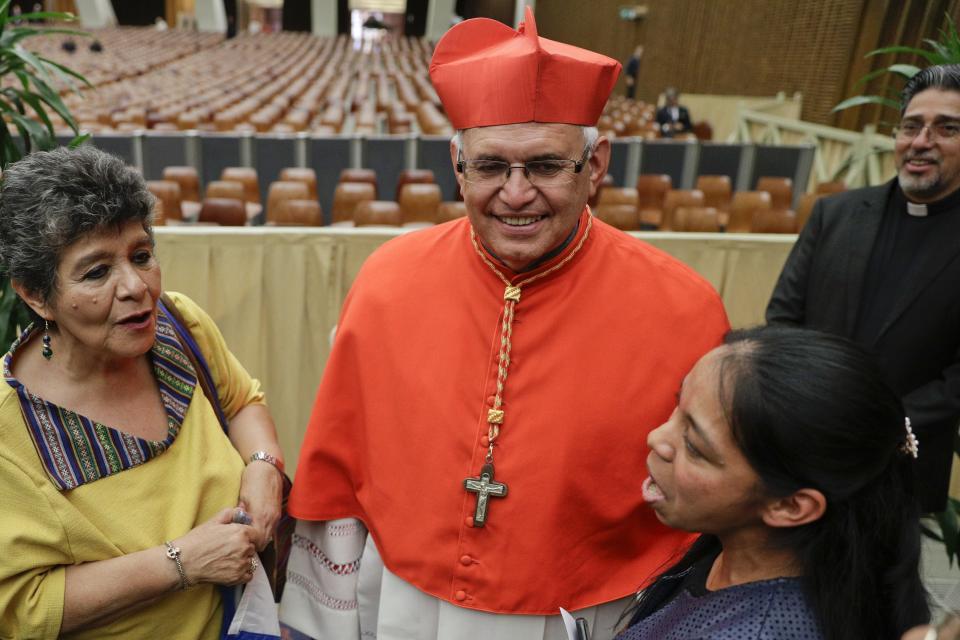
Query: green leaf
column 942, row 52
column 905, row 70
column 65, row 73
column 930, row 533
column 950, row 529
column 56, row 16
column 15, row 34
column 79, row 140
column 911, row 50
column 33, row 134
column 857, row 101
column 32, row 61
column 53, row 99
column 4, row 14
column 876, row 73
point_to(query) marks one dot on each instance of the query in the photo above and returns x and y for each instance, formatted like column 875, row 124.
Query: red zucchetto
column 488, row 74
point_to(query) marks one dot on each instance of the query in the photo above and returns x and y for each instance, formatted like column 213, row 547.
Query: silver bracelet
column 263, row 456
column 174, row 554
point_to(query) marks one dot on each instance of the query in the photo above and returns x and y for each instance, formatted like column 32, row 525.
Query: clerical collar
column 549, row 255
column 920, row 210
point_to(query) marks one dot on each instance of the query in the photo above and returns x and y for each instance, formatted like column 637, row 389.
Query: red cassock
column 599, row 349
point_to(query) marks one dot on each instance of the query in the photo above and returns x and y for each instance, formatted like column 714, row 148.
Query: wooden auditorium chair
column 742, row 207
column 419, row 203
column 189, row 182
column 360, row 175
column 370, row 213
column 652, row 188
column 678, row 198
column 413, row 176
column 451, row 210
column 606, row 182
column 835, row 186
column 347, row 196
column 226, row 212
column 805, row 208
column 167, row 192
column 699, row 219
column 717, row 193
column 283, row 190
column 619, row 215
column 773, row 221
column 780, row 190
column 618, row 195
column 305, row 175
column 247, row 176
column 297, row 213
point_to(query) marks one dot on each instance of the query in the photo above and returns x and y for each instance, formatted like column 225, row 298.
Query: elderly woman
column 118, row 485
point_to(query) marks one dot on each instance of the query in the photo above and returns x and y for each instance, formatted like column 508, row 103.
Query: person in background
column 672, row 117
column 632, row 71
column 792, row 458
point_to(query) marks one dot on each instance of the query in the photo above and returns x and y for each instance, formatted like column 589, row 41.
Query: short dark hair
column 50, row 199
column 941, row 76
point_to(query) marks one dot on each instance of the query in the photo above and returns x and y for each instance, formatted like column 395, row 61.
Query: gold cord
column 511, row 297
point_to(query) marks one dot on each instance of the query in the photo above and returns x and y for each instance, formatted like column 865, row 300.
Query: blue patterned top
column 764, row 610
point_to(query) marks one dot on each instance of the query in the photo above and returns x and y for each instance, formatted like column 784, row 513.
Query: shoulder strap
column 193, row 353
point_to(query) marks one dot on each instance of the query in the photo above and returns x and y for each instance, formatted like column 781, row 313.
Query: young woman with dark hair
column 791, row 457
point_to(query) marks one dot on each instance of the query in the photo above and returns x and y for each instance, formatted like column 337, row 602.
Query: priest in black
column 881, row 266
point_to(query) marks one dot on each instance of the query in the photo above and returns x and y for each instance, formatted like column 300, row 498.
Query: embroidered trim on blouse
column 75, row 450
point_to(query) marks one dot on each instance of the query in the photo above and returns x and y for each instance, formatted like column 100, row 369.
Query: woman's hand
column 261, row 491
column 218, row 551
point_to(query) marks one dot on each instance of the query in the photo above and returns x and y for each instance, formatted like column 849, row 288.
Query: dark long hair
column 811, row 410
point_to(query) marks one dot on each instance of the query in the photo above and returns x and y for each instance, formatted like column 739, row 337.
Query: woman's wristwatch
column 269, row 459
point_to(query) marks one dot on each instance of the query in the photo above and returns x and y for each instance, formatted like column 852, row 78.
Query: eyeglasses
column 946, row 130
column 540, row 173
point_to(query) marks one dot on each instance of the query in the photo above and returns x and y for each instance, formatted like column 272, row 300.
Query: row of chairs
column 624, row 116
column 711, row 206
column 266, row 83
column 234, row 199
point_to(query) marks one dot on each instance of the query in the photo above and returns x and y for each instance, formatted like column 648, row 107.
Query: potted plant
column 27, row 94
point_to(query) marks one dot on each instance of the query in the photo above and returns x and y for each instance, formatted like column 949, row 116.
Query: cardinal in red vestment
column 485, row 409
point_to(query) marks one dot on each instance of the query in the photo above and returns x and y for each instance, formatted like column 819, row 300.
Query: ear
column 454, row 156
column 598, row 163
column 39, row 306
column 799, row 508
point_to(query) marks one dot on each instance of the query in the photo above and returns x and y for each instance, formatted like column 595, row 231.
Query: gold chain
column 511, row 297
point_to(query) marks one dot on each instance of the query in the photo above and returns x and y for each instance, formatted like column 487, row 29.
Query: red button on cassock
column 484, row 442
column 466, row 561
column 460, row 595
column 468, row 521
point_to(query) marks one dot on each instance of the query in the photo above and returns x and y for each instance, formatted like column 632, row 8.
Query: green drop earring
column 47, row 352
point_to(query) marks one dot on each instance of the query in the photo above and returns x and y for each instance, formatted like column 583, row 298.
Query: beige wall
column 751, row 47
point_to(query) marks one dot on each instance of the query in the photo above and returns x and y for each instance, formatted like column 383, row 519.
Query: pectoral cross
column 484, row 487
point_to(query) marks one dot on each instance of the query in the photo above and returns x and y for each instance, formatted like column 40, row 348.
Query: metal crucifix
column 484, row 487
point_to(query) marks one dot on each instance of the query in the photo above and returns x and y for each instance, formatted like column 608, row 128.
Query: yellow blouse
column 43, row 530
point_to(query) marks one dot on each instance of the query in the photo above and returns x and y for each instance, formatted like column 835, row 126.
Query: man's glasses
column 540, row 173
column 945, row 130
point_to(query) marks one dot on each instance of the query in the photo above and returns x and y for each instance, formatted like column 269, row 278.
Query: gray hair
column 943, row 76
column 590, row 136
column 50, row 199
